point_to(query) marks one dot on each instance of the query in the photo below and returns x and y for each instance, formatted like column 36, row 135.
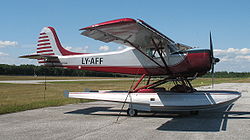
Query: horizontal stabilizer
column 38, row 56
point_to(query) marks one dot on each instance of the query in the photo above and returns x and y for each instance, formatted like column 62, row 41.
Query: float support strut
column 139, row 81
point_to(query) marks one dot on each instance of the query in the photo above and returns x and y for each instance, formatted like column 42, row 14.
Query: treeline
column 224, row 74
column 49, row 71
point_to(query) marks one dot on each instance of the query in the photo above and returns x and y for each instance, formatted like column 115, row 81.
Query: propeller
column 213, row 59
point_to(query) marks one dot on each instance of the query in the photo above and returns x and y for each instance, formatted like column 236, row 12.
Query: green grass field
column 4, row 78
column 19, row 97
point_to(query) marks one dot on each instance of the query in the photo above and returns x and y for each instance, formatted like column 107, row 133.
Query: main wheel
column 132, row 112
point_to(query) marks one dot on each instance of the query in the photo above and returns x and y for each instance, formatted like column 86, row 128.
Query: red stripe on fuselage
column 48, row 54
column 41, row 61
column 44, row 51
column 44, row 47
column 122, row 69
column 43, row 40
column 48, row 61
column 43, row 44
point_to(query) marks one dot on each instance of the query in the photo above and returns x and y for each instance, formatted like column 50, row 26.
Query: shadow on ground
column 88, row 111
column 109, row 111
column 207, row 121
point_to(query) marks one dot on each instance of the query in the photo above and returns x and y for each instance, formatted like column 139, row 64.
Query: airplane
column 148, row 53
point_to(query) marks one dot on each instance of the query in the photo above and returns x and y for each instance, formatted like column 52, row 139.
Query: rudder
column 49, row 44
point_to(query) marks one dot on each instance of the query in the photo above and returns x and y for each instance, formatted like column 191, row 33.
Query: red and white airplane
column 148, row 53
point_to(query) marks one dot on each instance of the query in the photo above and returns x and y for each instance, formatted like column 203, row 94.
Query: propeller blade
column 211, row 46
column 212, row 58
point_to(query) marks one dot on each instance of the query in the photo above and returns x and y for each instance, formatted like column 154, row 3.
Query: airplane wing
column 134, row 33
column 130, row 32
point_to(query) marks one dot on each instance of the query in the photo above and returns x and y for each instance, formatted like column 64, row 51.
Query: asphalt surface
column 97, row 120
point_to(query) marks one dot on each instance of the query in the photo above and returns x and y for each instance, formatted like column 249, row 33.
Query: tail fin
column 49, row 48
column 49, row 44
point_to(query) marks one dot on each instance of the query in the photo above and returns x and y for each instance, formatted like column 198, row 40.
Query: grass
column 5, row 78
column 20, row 97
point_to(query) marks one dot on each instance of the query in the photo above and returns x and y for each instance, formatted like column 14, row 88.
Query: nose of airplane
column 216, row 60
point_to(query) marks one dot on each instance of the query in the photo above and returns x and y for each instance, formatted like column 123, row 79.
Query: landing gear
column 132, row 112
column 182, row 84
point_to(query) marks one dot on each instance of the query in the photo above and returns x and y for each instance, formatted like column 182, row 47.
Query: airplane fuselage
column 131, row 61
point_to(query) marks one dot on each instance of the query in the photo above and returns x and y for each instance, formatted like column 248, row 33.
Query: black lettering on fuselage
column 96, row 60
column 101, row 60
column 85, row 60
column 92, row 60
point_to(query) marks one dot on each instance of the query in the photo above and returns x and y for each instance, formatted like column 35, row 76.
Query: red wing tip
column 141, row 20
column 123, row 20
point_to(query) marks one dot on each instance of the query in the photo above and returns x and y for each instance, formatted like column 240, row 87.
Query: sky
column 184, row 21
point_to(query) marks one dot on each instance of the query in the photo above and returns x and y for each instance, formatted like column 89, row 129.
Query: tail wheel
column 132, row 112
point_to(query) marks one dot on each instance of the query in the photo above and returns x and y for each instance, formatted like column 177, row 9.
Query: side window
column 149, row 52
column 152, row 52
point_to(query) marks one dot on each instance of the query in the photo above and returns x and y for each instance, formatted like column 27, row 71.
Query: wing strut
column 160, row 53
column 139, row 81
column 144, row 54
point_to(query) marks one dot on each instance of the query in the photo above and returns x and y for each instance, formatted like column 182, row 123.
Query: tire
column 132, row 112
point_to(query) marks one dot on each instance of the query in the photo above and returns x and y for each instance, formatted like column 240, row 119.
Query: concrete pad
column 97, row 120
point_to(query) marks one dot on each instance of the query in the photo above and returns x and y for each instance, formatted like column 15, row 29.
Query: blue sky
column 184, row 21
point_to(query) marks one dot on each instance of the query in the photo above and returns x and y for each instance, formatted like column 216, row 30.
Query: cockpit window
column 172, row 48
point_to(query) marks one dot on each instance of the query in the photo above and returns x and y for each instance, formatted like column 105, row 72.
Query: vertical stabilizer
column 49, row 43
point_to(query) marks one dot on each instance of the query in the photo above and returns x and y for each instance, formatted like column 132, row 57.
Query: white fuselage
column 128, row 57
